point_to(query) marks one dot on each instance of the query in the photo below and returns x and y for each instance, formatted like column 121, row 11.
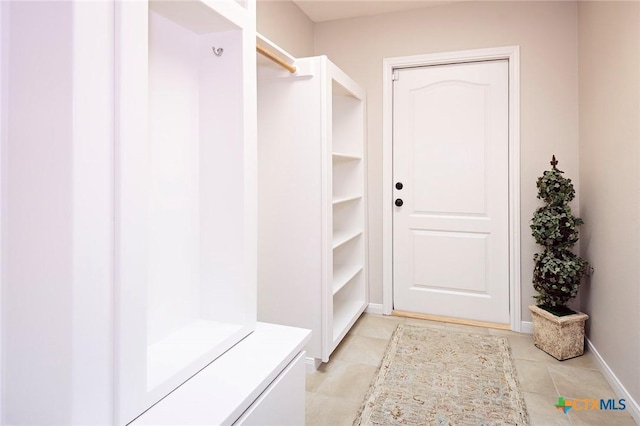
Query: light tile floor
column 336, row 390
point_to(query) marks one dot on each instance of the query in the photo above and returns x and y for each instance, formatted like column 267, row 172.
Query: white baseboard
column 374, row 308
column 526, row 327
column 312, row 364
column 616, row 385
column 632, row 405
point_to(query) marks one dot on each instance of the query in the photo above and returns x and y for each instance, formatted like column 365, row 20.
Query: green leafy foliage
column 555, row 226
column 558, row 272
column 556, row 276
column 555, row 189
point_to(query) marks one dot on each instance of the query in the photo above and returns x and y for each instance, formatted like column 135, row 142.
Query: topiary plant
column 558, row 272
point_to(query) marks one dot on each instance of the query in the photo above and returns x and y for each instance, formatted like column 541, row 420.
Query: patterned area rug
column 437, row 377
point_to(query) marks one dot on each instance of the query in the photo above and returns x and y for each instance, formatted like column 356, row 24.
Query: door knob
column 399, row 202
column 399, row 185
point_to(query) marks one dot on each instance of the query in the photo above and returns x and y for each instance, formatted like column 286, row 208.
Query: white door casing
column 450, row 153
column 511, row 54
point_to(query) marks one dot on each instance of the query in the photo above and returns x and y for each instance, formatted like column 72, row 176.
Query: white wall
column 286, row 25
column 547, row 35
column 609, row 52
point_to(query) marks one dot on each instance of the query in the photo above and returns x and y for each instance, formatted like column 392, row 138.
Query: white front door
column 450, row 177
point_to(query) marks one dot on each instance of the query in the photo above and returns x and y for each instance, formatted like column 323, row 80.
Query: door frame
column 512, row 54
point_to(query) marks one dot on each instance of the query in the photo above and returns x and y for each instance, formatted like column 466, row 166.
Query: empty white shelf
column 344, row 315
column 340, row 237
column 341, row 156
column 344, row 199
column 342, row 274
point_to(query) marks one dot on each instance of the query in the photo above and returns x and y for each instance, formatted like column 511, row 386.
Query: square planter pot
column 560, row 337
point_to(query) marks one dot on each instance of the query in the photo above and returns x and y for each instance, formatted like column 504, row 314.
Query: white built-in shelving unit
column 312, row 269
column 129, row 219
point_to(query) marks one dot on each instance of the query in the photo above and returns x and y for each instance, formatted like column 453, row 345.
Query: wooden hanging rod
column 268, row 54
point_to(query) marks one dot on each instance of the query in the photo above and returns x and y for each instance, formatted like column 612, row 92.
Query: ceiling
column 327, row 10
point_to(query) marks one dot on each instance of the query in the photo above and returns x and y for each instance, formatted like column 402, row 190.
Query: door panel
column 455, row 154
column 450, row 151
column 443, row 271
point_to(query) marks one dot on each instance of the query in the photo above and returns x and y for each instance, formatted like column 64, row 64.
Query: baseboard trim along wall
column 632, row 405
column 374, row 308
column 526, row 327
column 610, row 377
column 312, row 364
